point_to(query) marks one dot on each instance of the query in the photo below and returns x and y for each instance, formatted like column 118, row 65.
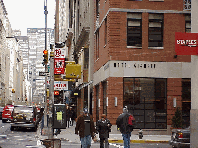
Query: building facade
column 135, row 63
column 36, row 46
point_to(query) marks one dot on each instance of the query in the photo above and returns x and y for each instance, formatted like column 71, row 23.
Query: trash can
column 52, row 143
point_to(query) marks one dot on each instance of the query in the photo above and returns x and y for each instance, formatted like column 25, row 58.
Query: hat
column 85, row 110
column 125, row 110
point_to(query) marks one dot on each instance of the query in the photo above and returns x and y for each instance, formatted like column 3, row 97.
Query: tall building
column 135, row 63
column 36, row 46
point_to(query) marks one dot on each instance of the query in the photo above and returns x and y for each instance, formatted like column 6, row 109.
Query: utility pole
column 57, row 22
column 45, row 110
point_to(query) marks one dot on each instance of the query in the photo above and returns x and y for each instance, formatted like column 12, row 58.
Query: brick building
column 135, row 63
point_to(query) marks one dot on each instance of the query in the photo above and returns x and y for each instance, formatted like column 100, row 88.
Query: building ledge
column 155, row 47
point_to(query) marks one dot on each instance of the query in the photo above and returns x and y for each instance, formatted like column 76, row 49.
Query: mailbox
column 59, row 115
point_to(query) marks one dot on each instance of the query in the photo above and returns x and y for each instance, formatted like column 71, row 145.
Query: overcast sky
column 24, row 14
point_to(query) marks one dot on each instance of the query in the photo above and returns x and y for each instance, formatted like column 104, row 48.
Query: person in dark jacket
column 125, row 129
column 85, row 128
column 67, row 116
column 104, row 127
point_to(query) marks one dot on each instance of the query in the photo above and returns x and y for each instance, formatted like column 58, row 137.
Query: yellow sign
column 73, row 71
column 75, row 94
column 59, row 115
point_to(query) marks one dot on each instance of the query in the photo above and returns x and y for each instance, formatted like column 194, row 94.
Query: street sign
column 43, row 73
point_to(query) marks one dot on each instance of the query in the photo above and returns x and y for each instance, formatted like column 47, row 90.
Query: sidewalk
column 68, row 135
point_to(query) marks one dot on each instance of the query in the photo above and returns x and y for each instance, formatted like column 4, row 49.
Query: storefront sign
column 59, row 66
column 186, row 43
column 59, row 53
column 60, row 85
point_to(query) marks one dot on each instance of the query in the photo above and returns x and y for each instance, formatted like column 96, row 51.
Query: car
column 180, row 138
column 1, row 110
column 7, row 112
column 24, row 117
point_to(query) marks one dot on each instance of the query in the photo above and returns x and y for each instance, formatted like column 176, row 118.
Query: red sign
column 59, row 65
column 59, row 53
column 186, row 43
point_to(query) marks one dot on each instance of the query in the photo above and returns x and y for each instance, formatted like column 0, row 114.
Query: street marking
column 116, row 145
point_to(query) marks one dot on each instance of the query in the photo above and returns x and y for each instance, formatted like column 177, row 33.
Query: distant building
column 36, row 46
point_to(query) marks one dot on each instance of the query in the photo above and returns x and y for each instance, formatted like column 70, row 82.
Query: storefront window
column 146, row 100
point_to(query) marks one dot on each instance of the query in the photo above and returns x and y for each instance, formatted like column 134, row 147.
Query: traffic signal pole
column 45, row 110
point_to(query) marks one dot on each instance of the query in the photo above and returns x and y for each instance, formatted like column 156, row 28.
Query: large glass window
column 186, row 101
column 188, row 23
column 146, row 100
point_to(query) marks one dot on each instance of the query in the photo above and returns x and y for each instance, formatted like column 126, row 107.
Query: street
column 26, row 138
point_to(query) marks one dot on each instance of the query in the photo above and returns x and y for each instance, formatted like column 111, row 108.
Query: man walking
column 104, row 127
column 125, row 128
column 85, row 128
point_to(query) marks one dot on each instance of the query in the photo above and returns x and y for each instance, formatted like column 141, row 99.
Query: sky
column 24, row 14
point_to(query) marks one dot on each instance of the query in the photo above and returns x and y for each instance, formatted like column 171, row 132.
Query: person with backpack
column 125, row 123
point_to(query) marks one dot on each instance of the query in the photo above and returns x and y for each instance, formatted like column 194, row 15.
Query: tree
column 177, row 118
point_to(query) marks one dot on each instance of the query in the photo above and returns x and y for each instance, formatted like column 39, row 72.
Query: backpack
column 131, row 120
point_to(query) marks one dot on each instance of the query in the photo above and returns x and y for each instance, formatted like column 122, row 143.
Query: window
column 188, row 23
column 104, row 84
column 97, row 44
column 155, row 32
column 134, row 29
column 105, row 38
column 97, row 7
column 146, row 100
column 187, row 4
column 70, row 14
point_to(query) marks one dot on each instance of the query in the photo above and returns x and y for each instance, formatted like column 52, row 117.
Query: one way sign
column 43, row 73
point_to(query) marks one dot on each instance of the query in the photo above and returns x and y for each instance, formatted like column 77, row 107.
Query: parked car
column 180, row 138
column 1, row 110
column 24, row 117
column 7, row 112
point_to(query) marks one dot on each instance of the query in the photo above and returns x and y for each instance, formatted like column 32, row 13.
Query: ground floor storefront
column 150, row 100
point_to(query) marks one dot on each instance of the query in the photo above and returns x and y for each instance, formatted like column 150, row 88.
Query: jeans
column 126, row 138
column 102, row 143
column 86, row 141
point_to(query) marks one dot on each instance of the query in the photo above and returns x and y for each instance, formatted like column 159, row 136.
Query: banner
column 186, row 43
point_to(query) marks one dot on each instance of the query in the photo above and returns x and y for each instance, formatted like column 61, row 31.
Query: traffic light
column 45, row 55
column 13, row 91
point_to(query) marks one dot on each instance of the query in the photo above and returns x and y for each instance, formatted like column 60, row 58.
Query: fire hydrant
column 140, row 133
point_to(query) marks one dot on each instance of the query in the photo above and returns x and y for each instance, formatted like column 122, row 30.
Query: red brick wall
column 116, row 48
column 174, row 90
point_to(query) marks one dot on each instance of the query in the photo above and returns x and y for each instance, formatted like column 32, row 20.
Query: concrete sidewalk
column 68, row 135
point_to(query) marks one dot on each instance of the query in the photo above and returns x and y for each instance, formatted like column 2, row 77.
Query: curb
column 139, row 141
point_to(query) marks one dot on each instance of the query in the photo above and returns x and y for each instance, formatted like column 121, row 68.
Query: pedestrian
column 73, row 116
column 104, row 127
column 67, row 116
column 126, row 129
column 85, row 129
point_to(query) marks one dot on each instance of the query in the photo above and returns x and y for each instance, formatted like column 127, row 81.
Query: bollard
column 52, row 143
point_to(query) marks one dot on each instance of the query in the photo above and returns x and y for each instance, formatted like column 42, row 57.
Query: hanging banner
column 59, row 53
column 186, row 43
column 59, row 66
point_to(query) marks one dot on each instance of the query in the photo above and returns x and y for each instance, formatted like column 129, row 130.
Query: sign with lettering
column 186, row 43
column 59, row 53
column 60, row 85
column 59, row 66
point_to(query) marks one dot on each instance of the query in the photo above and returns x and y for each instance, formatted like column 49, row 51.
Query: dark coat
column 80, row 126
column 103, row 128
column 122, row 123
